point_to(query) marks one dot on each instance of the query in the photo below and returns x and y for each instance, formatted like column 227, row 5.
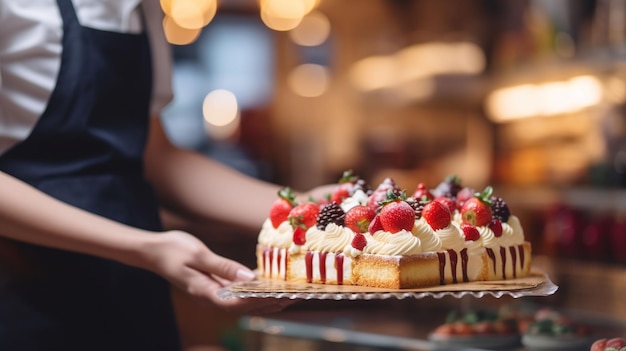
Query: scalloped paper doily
column 536, row 284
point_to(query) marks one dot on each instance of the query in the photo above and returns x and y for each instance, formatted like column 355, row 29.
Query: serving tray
column 536, row 284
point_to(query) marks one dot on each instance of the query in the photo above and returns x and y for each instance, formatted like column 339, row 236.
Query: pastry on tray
column 384, row 237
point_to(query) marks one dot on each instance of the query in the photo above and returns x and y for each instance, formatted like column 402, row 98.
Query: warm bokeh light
column 178, row 35
column 313, row 30
column 551, row 98
column 166, row 6
column 192, row 14
column 285, row 15
column 221, row 114
column 416, row 62
column 308, row 80
column 616, row 90
column 219, row 107
column 374, row 72
column 278, row 23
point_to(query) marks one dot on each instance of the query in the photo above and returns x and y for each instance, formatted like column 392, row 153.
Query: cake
column 385, row 238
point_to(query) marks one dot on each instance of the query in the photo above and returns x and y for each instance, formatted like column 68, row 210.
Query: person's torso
column 31, row 35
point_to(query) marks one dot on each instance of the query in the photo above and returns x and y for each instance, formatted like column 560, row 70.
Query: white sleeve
column 161, row 57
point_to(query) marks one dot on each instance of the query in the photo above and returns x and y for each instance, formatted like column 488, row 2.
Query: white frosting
column 358, row 198
column 277, row 237
column 332, row 239
column 298, row 268
column 274, row 262
column 400, row 243
column 512, row 231
column 452, row 237
column 426, row 234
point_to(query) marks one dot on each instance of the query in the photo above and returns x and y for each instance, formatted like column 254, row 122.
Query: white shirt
column 30, row 54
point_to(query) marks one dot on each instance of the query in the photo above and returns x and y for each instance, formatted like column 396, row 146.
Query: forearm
column 193, row 185
column 29, row 215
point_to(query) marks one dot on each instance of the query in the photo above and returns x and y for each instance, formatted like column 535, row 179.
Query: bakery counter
column 393, row 325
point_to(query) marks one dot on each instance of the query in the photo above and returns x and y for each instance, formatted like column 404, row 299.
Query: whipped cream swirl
column 401, row 243
column 281, row 237
column 333, row 239
column 426, row 234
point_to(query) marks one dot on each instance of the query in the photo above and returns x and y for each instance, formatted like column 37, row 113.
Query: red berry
column 279, row 211
column 304, row 215
column 476, row 212
column 345, row 187
column 380, row 194
column 341, row 192
column 496, row 226
column 470, row 232
column 397, row 216
column 359, row 241
column 464, row 195
column 436, row 215
column 375, row 225
column 359, row 217
column 299, row 236
column 616, row 343
column 448, row 202
column 599, row 345
column 422, row 191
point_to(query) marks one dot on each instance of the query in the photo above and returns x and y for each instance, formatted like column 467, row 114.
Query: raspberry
column 359, row 241
column 299, row 236
column 496, row 226
column 470, row 232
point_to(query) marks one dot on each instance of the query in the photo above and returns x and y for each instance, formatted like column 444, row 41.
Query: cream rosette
column 277, row 237
column 332, row 239
column 430, row 241
column 452, row 237
column 402, row 243
column 358, row 198
column 512, row 231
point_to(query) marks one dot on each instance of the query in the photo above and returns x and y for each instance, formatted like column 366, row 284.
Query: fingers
column 226, row 269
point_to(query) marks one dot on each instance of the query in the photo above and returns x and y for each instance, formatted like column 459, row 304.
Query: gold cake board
column 536, row 284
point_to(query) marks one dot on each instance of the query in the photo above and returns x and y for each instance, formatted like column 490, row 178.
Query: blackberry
column 330, row 213
column 500, row 209
column 417, row 205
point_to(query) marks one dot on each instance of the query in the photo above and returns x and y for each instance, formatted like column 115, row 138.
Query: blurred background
column 525, row 95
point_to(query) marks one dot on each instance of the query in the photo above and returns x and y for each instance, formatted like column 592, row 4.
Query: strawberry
column 304, row 216
column 358, row 218
column 496, row 226
column 359, row 241
column 422, row 191
column 470, row 232
column 477, row 210
column 448, row 202
column 279, row 211
column 299, row 236
column 599, row 345
column 380, row 194
column 345, row 187
column 436, row 215
column 464, row 195
column 616, row 343
column 396, row 216
column 375, row 225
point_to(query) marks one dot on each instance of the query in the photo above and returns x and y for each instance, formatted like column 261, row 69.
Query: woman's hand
column 189, row 265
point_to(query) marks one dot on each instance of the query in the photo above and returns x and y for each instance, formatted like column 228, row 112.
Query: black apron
column 86, row 150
